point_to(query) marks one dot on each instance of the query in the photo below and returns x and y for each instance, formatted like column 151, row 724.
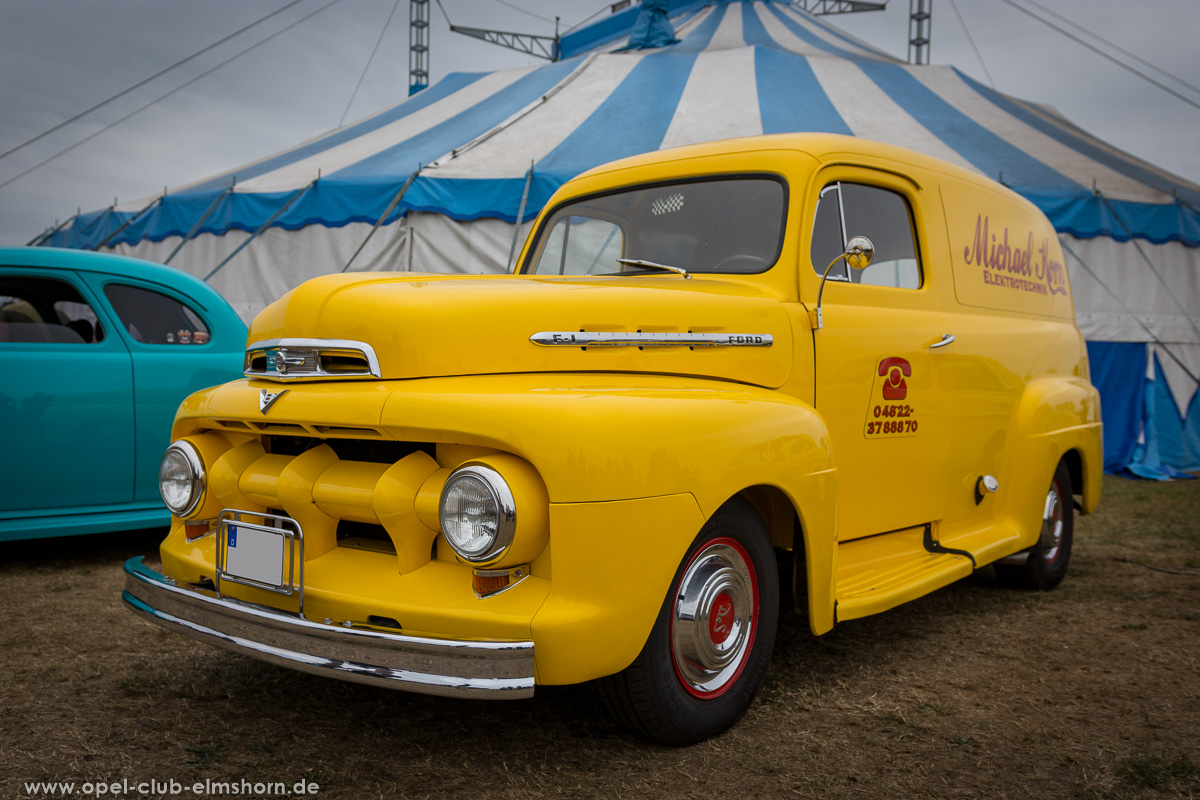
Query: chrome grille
column 309, row 359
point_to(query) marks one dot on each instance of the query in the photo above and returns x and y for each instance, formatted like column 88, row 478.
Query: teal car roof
column 105, row 264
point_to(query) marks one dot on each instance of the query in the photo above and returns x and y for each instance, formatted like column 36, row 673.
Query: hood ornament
column 267, row 399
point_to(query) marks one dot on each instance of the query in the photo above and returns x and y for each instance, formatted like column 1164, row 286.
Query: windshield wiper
column 637, row 262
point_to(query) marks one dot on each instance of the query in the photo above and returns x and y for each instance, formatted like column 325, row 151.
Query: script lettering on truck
column 1015, row 267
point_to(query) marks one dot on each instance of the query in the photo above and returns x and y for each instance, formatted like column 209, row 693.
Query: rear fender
column 1055, row 416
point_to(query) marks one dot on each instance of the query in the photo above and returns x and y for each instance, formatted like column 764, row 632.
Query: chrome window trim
column 635, row 339
column 316, row 346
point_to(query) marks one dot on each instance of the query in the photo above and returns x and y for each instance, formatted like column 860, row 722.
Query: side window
column 153, row 318
column 577, row 245
column 851, row 209
column 45, row 310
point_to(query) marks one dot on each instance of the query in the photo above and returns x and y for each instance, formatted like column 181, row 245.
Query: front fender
column 633, row 466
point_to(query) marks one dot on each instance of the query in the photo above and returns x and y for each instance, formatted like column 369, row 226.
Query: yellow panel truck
column 806, row 372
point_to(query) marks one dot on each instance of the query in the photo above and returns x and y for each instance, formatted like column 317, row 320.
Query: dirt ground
column 1090, row 691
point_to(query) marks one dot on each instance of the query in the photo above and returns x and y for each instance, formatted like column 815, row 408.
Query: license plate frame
column 266, row 540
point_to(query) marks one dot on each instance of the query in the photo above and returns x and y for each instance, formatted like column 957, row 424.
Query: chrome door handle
column 947, row 338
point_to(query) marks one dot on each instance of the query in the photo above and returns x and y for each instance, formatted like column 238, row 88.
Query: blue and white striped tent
column 475, row 144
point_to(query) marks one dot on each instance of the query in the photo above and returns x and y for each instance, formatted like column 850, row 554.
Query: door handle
column 947, row 338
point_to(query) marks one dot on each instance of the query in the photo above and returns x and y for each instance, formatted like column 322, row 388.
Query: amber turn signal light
column 194, row 530
column 487, row 582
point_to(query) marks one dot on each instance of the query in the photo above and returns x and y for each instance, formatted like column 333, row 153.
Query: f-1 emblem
column 266, row 399
column 283, row 361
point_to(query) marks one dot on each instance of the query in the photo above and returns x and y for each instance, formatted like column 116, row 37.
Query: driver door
column 882, row 373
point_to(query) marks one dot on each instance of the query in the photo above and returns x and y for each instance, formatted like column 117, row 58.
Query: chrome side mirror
column 860, row 252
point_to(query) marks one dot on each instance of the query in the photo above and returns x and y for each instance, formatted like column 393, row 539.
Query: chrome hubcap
column 1052, row 523
column 713, row 618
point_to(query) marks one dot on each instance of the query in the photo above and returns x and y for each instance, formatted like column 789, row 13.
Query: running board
column 881, row 572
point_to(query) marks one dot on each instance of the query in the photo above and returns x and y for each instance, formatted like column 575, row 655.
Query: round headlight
column 477, row 513
column 181, row 478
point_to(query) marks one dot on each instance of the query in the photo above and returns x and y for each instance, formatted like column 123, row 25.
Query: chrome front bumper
column 446, row 667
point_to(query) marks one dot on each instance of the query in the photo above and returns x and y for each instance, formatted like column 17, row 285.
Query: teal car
column 96, row 354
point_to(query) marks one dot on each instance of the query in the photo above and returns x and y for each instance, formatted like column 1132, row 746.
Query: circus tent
column 439, row 181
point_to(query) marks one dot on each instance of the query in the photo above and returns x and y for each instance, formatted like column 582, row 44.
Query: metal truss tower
column 920, row 21
column 418, row 45
column 822, row 7
column 537, row 46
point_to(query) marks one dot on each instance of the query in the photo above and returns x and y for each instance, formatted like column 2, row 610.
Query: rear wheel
column 1048, row 559
column 710, row 645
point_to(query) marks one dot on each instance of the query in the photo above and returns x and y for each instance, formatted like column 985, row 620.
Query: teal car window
column 153, row 318
column 47, row 311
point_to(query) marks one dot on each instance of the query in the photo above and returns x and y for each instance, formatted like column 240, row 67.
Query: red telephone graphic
column 896, row 369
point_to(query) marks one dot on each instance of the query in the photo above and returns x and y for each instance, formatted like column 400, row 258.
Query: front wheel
column 710, row 645
column 1046, row 565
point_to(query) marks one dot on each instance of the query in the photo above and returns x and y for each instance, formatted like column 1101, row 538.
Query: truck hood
column 441, row 325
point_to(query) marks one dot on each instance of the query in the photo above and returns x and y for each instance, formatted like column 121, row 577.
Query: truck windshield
column 729, row 225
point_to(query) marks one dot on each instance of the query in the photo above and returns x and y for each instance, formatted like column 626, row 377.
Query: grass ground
column 1091, row 691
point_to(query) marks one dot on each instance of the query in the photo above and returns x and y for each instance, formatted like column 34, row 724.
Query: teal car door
column 66, row 398
column 178, row 343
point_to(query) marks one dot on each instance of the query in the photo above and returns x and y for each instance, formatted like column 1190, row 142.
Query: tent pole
column 129, row 222
column 512, row 251
column 196, row 228
column 1127, row 310
column 262, row 228
column 1154, row 269
column 383, row 216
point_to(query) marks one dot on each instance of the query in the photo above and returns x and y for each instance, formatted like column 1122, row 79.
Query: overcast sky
column 58, row 57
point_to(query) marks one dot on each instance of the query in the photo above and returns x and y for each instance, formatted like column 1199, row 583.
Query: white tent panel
column 715, row 104
column 872, row 114
column 949, row 85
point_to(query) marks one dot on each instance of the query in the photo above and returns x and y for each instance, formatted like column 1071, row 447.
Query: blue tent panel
column 1081, row 143
column 1086, row 216
column 605, row 136
column 1119, row 373
column 782, row 74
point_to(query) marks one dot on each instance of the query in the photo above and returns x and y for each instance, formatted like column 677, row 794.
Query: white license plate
column 255, row 554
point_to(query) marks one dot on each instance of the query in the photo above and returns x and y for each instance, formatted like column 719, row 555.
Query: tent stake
column 46, row 234
column 1162, row 281
column 383, row 216
column 512, row 251
column 1127, row 310
column 254, row 236
column 196, row 228
column 129, row 222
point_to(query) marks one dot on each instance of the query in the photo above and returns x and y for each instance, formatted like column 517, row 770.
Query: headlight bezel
column 502, row 497
column 198, row 477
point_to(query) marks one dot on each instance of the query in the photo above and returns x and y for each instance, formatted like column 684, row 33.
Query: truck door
column 882, row 372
